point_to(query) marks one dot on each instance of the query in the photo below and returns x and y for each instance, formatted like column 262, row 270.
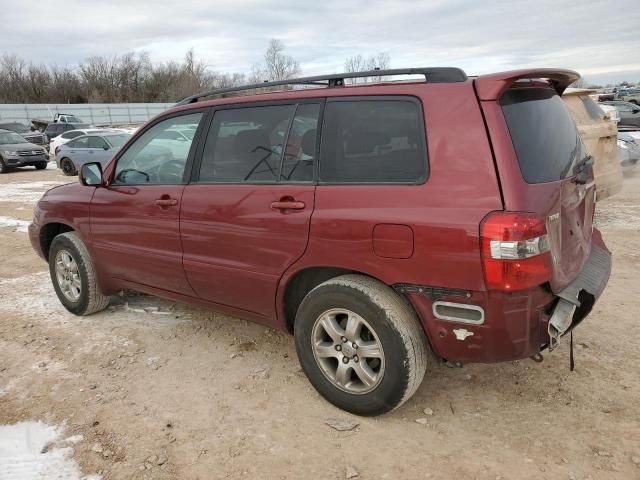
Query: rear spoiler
column 491, row 87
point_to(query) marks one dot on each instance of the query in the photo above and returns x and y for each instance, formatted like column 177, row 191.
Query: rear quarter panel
column 444, row 213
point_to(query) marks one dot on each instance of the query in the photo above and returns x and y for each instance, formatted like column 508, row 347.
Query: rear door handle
column 288, row 205
column 166, row 202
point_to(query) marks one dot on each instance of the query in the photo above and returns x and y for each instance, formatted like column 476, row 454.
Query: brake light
column 515, row 251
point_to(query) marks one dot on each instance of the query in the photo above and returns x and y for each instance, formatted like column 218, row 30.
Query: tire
column 390, row 333
column 40, row 165
column 634, row 102
column 81, row 294
column 67, row 167
column 3, row 166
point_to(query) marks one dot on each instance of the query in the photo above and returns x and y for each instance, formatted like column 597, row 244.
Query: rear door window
column 373, row 141
column 245, row 145
column 82, row 142
column 543, row 133
column 97, row 142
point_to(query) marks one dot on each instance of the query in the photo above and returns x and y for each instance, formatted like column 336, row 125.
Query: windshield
column 8, row 138
column 15, row 127
column 117, row 140
column 543, row 133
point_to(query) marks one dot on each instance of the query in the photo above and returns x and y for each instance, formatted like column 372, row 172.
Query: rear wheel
column 40, row 165
column 67, row 167
column 360, row 344
column 74, row 277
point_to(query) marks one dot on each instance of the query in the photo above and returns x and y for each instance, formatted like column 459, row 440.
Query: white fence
column 92, row 113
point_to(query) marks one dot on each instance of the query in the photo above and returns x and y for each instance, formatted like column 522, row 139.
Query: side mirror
column 91, row 174
column 106, row 147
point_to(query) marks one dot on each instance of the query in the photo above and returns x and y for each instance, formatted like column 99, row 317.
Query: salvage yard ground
column 153, row 389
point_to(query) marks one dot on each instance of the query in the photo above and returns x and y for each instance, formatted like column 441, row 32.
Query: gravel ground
column 159, row 390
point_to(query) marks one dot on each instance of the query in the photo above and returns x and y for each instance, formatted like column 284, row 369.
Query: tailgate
column 542, row 162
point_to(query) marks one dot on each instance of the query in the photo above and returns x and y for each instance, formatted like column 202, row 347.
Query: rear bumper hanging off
column 577, row 299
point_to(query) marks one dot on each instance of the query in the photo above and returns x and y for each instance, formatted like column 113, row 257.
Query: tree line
column 133, row 77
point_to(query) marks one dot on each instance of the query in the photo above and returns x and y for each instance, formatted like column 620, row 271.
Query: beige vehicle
column 599, row 134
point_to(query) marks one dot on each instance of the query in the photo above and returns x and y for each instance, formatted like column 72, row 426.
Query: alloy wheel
column 68, row 276
column 348, row 351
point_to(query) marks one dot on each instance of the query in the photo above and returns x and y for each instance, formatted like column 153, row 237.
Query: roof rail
column 431, row 75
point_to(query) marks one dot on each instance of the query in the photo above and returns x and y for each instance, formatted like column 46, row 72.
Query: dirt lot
column 160, row 390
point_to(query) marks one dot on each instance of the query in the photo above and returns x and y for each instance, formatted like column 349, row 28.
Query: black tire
column 90, row 299
column 395, row 327
column 3, row 166
column 67, row 167
column 40, row 165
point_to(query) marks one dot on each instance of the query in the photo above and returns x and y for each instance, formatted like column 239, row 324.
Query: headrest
column 247, row 140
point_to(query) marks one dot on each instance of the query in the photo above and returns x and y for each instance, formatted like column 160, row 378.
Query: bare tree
column 358, row 63
column 278, row 65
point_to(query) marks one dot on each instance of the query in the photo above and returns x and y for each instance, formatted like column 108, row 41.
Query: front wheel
column 3, row 166
column 74, row 277
column 360, row 344
column 41, row 165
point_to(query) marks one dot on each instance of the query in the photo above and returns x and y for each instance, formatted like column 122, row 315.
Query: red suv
column 383, row 224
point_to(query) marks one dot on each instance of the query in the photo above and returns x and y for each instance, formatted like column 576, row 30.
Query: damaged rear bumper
column 577, row 299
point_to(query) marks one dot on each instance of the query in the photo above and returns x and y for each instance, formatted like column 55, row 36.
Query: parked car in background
column 25, row 132
column 68, row 136
column 397, row 234
column 628, row 151
column 95, row 147
column 598, row 132
column 55, row 129
column 610, row 113
column 629, row 114
column 15, row 152
column 631, row 95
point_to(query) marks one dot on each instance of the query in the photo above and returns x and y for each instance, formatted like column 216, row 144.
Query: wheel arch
column 50, row 231
column 295, row 285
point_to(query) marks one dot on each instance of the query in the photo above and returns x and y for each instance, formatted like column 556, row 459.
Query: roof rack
column 431, row 75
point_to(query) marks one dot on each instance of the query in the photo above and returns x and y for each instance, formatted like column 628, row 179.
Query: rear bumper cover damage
column 577, row 299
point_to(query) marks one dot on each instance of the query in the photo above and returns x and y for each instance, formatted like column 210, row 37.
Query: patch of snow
column 28, row 192
column 14, row 223
column 27, row 452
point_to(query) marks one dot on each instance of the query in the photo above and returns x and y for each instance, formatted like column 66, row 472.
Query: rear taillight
column 515, row 251
column 57, row 149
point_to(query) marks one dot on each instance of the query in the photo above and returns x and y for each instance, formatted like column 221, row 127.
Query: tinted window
column 118, row 140
column 544, row 135
column 245, row 144
column 72, row 134
column 97, row 142
column 300, row 152
column 81, row 142
column 373, row 141
column 152, row 158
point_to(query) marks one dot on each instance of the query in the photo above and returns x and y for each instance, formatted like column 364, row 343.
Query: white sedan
column 68, row 136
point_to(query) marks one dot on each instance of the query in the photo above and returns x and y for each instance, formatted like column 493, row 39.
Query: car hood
column 16, row 147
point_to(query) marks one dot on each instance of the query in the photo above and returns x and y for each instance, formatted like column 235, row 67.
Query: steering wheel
column 170, row 172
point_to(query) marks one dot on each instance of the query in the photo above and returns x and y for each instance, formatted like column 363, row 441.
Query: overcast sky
column 600, row 39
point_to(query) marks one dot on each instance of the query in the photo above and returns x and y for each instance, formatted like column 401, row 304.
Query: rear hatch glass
column 544, row 135
column 550, row 153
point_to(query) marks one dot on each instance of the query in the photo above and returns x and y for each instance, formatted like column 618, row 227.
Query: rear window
column 544, row 135
column 373, row 141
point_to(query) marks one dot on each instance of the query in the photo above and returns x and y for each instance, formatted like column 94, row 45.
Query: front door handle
column 288, row 205
column 166, row 202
